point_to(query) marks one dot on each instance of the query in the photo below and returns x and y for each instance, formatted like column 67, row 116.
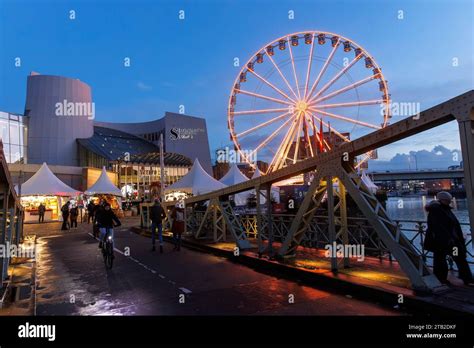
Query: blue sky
column 190, row 62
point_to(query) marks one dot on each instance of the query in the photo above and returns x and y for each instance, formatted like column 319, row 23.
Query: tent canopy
column 233, row 176
column 368, row 182
column 103, row 186
column 45, row 183
column 197, row 181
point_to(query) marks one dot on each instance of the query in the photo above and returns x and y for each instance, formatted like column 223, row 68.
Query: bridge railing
column 359, row 232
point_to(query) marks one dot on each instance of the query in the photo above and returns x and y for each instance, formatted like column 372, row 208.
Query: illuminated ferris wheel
column 302, row 94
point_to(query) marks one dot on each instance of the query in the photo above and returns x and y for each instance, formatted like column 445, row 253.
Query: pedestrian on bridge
column 444, row 237
column 157, row 214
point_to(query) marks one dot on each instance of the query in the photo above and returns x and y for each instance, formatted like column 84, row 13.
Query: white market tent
column 45, row 183
column 274, row 191
column 197, row 181
column 369, row 183
column 234, row 176
column 103, row 186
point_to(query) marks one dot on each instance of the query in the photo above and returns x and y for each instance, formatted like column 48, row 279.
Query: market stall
column 44, row 188
column 104, row 189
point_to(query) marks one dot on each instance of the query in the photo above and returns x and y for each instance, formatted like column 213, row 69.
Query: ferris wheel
column 302, row 94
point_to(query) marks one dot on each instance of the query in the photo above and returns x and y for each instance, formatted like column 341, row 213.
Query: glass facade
column 14, row 135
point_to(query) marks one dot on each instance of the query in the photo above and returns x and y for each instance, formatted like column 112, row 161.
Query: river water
column 412, row 209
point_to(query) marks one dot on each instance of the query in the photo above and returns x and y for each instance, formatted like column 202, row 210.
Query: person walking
column 177, row 227
column 65, row 214
column 73, row 214
column 90, row 211
column 444, row 237
column 41, row 211
column 157, row 214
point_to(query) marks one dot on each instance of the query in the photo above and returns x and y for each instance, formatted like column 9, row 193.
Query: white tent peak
column 45, row 183
column 233, row 176
column 104, row 186
column 368, row 182
column 257, row 173
column 197, row 181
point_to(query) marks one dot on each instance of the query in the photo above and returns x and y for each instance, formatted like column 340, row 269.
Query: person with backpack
column 177, row 227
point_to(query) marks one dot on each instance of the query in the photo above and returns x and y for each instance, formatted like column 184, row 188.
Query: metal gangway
column 338, row 165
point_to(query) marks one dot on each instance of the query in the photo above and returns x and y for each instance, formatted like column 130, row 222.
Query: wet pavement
column 72, row 280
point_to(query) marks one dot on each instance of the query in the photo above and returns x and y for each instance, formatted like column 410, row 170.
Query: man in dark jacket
column 41, row 211
column 444, row 237
column 157, row 214
column 90, row 211
column 106, row 221
column 65, row 214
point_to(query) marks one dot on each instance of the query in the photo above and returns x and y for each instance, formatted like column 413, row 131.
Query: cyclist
column 106, row 218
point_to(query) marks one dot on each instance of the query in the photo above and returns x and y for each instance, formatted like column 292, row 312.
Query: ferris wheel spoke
column 327, row 125
column 344, row 89
column 253, row 129
column 349, row 104
column 261, row 111
column 308, row 71
column 261, row 96
column 297, row 140
column 282, row 151
column 282, row 76
column 271, row 85
column 337, row 77
column 347, row 119
column 323, row 69
column 294, row 68
column 365, row 158
column 270, row 137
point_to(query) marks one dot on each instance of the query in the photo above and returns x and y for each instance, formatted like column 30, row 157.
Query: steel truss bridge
column 333, row 166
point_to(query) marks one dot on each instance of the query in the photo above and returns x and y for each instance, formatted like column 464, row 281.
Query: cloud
column 144, row 87
column 439, row 157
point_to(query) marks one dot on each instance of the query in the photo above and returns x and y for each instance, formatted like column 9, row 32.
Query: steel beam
column 304, row 216
column 410, row 261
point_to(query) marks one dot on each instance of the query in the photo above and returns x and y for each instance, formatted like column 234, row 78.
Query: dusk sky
column 427, row 56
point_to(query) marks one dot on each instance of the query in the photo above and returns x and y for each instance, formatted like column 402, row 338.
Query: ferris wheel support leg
column 466, row 134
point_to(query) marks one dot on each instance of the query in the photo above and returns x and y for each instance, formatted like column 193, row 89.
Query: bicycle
column 108, row 249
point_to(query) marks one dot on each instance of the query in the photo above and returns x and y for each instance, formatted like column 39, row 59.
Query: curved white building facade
column 60, row 110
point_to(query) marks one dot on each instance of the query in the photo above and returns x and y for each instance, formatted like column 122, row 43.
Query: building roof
column 113, row 144
column 170, row 159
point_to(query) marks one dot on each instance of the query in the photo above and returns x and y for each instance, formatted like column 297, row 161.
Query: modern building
column 58, row 127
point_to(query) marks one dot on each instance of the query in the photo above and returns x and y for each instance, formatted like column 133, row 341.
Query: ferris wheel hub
column 301, row 106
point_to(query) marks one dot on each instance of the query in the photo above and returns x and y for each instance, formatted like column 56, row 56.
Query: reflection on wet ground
column 72, row 280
